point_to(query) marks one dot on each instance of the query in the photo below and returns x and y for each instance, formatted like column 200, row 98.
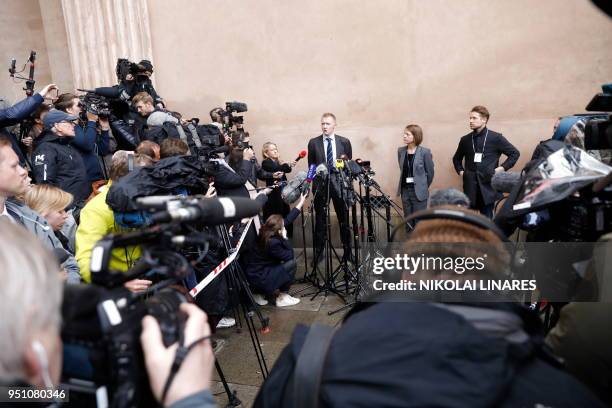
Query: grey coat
column 423, row 171
column 38, row 226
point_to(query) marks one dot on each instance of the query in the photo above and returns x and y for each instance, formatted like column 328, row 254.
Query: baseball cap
column 55, row 116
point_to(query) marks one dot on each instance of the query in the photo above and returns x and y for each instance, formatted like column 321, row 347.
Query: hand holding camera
column 194, row 373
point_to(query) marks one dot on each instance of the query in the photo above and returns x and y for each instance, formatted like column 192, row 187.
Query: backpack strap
column 308, row 372
column 194, row 135
column 181, row 133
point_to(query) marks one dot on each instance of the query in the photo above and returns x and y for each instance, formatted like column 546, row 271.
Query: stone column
column 101, row 31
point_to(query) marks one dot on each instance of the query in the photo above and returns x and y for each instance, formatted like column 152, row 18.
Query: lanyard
column 483, row 145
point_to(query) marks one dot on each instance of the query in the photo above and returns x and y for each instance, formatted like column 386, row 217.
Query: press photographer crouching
column 271, row 268
column 32, row 352
column 430, row 353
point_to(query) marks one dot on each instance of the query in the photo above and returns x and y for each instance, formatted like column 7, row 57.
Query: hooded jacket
column 413, row 354
column 38, row 226
column 57, row 162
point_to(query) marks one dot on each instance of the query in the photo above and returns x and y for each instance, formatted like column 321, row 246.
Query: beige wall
column 382, row 65
column 21, row 30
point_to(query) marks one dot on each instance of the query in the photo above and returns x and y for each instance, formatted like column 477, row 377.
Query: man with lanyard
column 481, row 150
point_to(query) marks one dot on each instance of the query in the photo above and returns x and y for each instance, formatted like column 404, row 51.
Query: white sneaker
column 285, row 299
column 259, row 299
column 226, row 322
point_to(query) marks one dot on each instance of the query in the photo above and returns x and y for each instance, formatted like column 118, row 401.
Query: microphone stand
column 327, row 284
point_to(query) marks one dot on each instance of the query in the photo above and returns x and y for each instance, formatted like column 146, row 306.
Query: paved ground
column 237, row 356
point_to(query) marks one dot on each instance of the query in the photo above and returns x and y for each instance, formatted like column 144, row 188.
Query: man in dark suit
column 481, row 150
column 325, row 149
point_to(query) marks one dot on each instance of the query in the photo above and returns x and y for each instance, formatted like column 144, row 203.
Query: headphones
column 457, row 214
column 41, row 353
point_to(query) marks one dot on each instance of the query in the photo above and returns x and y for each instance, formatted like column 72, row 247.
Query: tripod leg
column 233, row 400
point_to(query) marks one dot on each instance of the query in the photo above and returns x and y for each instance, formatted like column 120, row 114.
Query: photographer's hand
column 137, row 285
column 248, row 154
column 195, row 373
column 499, row 169
column 43, row 92
column 278, row 174
column 104, row 123
column 211, row 192
column 27, row 141
column 91, row 117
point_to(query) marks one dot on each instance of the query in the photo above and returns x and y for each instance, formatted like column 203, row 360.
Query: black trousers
column 320, row 219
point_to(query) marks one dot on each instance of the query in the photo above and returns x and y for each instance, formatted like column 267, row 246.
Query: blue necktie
column 330, row 153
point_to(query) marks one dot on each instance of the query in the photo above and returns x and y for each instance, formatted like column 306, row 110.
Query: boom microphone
column 302, row 154
column 292, row 191
column 505, row 181
column 211, row 211
column 322, row 170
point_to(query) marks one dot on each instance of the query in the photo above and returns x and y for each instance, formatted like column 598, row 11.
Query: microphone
column 312, row 170
column 302, row 154
column 505, row 181
column 12, row 69
column 211, row 211
column 292, row 191
column 322, row 170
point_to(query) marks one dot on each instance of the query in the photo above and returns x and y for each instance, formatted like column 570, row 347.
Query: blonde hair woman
column 51, row 202
column 272, row 163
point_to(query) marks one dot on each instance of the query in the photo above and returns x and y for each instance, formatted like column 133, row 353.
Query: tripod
column 325, row 280
column 373, row 247
column 238, row 285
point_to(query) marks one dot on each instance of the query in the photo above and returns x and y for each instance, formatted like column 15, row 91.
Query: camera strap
column 179, row 357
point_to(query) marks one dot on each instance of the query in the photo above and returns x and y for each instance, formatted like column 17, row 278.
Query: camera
column 102, row 322
column 96, row 104
column 103, row 359
column 231, row 121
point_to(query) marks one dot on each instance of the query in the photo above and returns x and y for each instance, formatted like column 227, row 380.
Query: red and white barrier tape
column 219, row 268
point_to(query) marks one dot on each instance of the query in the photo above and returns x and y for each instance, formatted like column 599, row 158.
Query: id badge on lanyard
column 479, row 156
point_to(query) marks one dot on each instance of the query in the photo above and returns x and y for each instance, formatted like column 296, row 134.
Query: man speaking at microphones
column 325, row 149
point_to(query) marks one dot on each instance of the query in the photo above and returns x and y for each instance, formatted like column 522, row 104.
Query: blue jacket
column 13, row 115
column 87, row 142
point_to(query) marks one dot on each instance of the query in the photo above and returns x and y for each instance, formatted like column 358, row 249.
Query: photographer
column 129, row 129
column 271, row 269
column 91, row 147
column 31, row 353
column 35, row 130
column 242, row 140
column 57, row 162
column 18, row 112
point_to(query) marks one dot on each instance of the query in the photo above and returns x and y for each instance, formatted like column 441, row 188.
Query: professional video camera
column 570, row 184
column 103, row 359
column 93, row 103
column 231, row 121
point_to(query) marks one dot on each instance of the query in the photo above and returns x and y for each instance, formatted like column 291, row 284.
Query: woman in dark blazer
column 271, row 269
column 271, row 163
column 416, row 171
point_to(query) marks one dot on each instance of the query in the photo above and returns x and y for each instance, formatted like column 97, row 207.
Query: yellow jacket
column 97, row 220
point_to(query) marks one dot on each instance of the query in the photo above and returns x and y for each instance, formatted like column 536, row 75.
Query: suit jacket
column 479, row 174
column 316, row 152
column 422, row 170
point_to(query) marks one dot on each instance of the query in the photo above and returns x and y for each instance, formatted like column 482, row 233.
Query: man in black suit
column 325, row 149
column 481, row 150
